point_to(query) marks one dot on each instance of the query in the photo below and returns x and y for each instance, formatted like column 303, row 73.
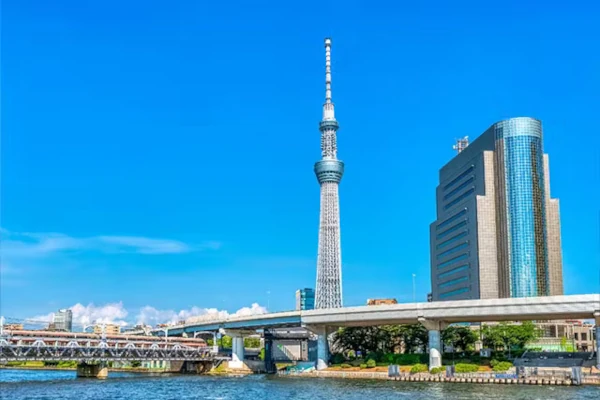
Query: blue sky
column 160, row 153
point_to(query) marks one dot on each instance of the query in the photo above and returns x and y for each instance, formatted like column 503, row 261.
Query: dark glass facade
column 305, row 299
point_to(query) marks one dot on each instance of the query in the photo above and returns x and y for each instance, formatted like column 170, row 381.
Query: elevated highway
column 434, row 316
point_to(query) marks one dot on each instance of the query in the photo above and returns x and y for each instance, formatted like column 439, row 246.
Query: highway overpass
column 434, row 316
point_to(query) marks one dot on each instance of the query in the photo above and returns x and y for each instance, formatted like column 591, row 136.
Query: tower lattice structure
column 329, row 173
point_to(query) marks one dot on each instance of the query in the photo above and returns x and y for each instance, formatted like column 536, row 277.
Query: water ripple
column 62, row 385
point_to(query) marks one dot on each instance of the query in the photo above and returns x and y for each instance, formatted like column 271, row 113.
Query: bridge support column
column 237, row 352
column 215, row 343
column 322, row 348
column 237, row 347
column 434, row 329
column 99, row 371
column 597, row 319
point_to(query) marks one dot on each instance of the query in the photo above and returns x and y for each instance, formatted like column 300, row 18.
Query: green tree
column 251, row 342
column 413, row 337
column 225, row 342
column 459, row 337
column 506, row 335
column 378, row 340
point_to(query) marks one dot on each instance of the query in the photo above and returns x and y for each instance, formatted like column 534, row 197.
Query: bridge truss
column 93, row 351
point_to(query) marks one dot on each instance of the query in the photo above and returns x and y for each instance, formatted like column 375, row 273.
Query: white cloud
column 116, row 313
column 112, row 313
column 30, row 245
column 255, row 309
column 151, row 316
column 142, row 245
column 109, row 313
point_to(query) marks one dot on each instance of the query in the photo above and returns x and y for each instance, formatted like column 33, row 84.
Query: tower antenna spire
column 327, row 70
column 328, row 112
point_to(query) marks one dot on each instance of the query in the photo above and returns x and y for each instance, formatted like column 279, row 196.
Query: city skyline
column 106, row 178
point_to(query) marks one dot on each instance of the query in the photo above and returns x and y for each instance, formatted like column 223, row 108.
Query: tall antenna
column 328, row 111
column 327, row 70
column 461, row 144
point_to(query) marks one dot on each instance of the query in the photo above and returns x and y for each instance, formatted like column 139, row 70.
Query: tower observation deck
column 329, row 171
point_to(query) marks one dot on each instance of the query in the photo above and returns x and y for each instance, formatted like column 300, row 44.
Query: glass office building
column 305, row 299
column 63, row 320
column 497, row 232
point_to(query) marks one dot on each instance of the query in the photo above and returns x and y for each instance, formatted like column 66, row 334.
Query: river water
column 55, row 385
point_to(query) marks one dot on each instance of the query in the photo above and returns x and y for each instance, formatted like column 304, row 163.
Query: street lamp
column 268, row 299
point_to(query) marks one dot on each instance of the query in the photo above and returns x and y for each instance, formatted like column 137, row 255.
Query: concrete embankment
column 41, row 368
column 458, row 378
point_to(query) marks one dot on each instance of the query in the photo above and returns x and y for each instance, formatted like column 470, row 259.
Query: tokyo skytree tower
column 329, row 172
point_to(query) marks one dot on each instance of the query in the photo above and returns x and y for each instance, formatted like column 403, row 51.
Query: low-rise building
column 378, row 302
column 109, row 329
column 13, row 327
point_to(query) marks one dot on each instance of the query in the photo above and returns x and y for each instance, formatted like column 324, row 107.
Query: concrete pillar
column 435, row 342
column 435, row 346
column 99, row 371
column 322, row 348
column 215, row 343
column 237, row 347
column 597, row 346
column 597, row 320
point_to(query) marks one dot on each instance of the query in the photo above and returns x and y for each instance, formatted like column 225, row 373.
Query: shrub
column 338, row 358
column 410, row 359
column 502, row 366
column 371, row 363
column 466, row 368
column 378, row 356
column 437, row 370
column 67, row 364
column 356, row 362
column 493, row 363
column 346, row 366
column 418, row 368
column 363, row 366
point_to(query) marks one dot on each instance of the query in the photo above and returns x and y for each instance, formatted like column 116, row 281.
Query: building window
column 458, row 178
column 453, row 292
column 453, row 282
column 576, row 335
column 452, row 250
column 450, row 230
column 453, row 260
column 459, row 188
column 453, row 271
column 583, row 336
column 459, row 198
column 451, row 219
column 451, row 240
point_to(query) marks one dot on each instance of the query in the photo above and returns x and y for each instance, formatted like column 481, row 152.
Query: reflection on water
column 55, row 385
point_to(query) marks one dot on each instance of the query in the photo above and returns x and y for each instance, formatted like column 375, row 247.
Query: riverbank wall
column 43, row 368
column 489, row 378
